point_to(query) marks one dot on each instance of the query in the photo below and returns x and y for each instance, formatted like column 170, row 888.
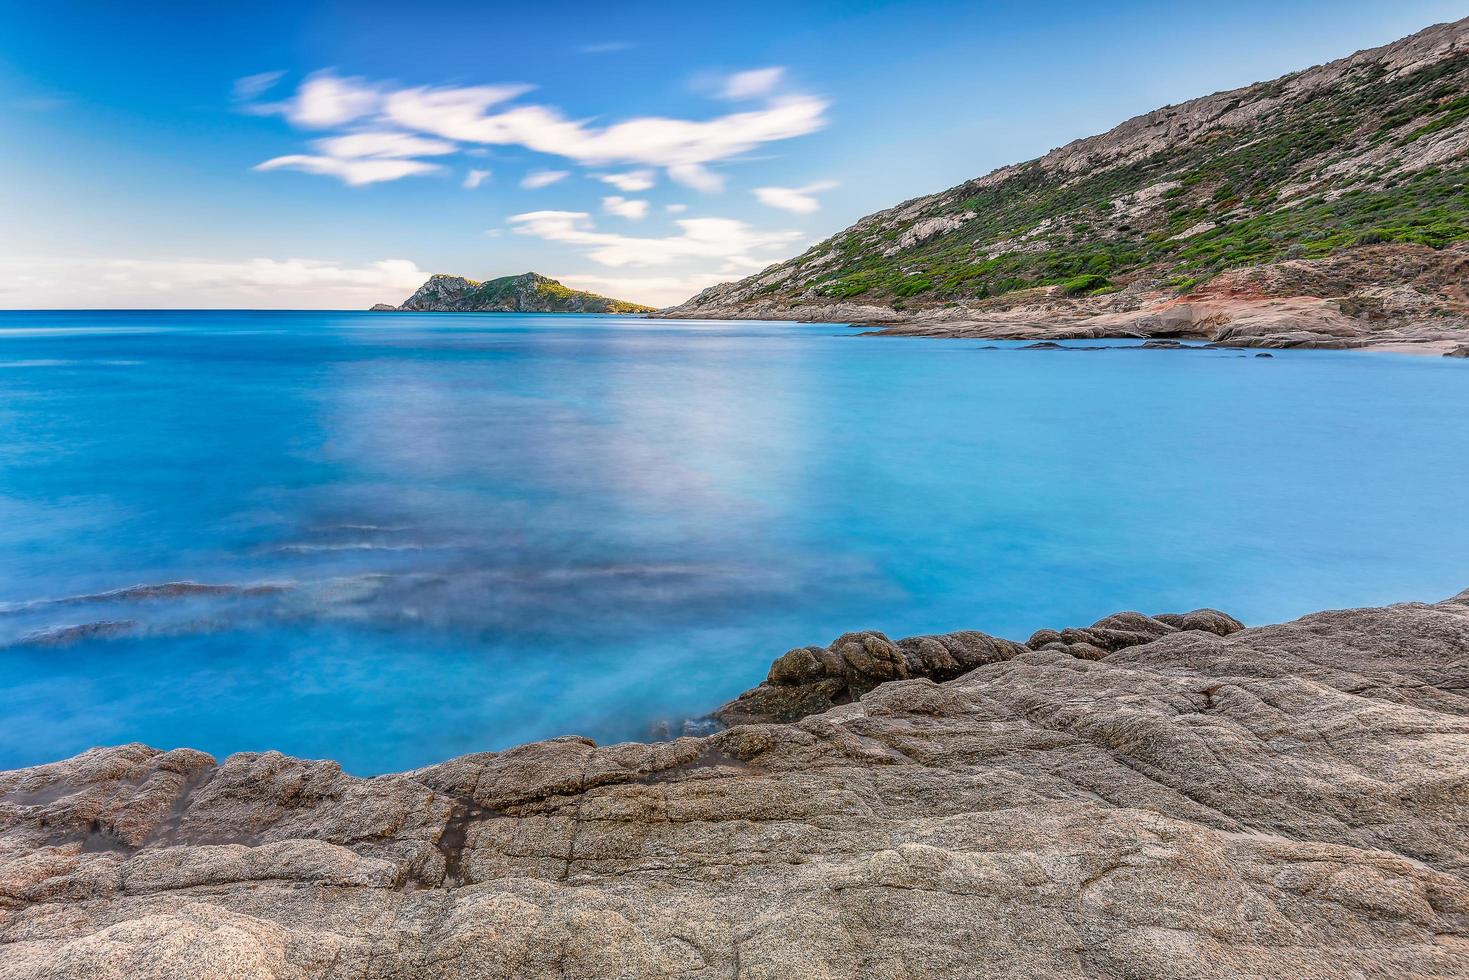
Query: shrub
column 913, row 285
column 1085, row 285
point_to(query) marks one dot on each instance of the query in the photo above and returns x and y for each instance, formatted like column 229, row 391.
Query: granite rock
column 1149, row 796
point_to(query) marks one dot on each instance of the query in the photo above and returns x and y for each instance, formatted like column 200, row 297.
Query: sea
column 389, row 539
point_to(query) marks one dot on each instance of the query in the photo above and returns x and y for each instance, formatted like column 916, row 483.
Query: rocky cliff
column 1341, row 185
column 1146, row 797
column 529, row 292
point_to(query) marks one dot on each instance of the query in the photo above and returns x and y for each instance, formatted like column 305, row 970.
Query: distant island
column 1326, row 208
column 529, row 292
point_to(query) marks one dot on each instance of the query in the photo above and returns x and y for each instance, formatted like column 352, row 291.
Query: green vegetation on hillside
column 528, row 292
column 1295, row 173
column 548, row 293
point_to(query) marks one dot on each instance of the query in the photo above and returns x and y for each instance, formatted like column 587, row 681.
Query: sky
column 334, row 155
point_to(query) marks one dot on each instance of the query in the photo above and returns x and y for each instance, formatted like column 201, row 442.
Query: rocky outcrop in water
column 529, row 292
column 1147, row 797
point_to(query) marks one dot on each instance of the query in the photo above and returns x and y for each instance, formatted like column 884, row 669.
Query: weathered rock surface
column 1393, row 297
column 1150, row 797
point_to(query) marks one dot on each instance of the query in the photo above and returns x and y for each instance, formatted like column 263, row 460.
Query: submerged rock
column 1148, row 796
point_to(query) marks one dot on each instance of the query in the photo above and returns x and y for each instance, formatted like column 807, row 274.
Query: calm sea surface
column 450, row 533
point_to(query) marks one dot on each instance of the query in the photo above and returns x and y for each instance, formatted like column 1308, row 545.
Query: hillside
column 529, row 292
column 1288, row 176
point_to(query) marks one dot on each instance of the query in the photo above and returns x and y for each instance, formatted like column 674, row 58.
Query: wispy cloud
column 477, row 116
column 624, row 208
column 474, row 178
column 456, row 114
column 543, row 178
column 697, row 176
column 727, row 239
column 355, row 173
column 632, row 181
column 367, row 157
column 254, row 86
column 384, row 144
column 324, row 101
column 798, row 200
column 752, row 84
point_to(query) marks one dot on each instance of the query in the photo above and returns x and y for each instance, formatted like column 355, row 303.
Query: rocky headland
column 1150, row 797
column 1326, row 208
column 529, row 292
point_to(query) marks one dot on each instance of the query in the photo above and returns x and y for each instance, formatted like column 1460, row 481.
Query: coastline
column 1440, row 347
column 1305, row 323
column 1400, row 298
column 1144, row 791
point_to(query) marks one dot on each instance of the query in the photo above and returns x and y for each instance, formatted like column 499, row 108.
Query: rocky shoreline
column 1150, row 796
column 1391, row 298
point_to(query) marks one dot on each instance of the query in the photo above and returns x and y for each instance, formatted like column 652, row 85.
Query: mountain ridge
column 1285, row 176
column 529, row 292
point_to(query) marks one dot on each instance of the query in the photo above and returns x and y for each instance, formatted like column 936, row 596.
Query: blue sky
column 331, row 155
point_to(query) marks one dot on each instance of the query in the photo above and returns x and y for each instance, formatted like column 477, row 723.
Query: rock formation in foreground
column 1320, row 209
column 1147, row 797
column 529, row 292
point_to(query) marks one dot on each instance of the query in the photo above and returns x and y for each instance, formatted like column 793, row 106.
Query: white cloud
column 362, row 158
column 438, row 110
column 798, row 200
column 625, row 208
column 675, row 208
column 752, row 84
column 354, row 173
column 476, row 115
column 458, row 114
column 632, row 181
column 703, row 238
column 474, row 178
column 698, row 177
column 254, row 86
column 388, row 145
column 324, row 101
column 258, row 283
column 649, row 290
column 543, row 178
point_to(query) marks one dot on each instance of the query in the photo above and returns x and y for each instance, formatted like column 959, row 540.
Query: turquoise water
column 455, row 533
